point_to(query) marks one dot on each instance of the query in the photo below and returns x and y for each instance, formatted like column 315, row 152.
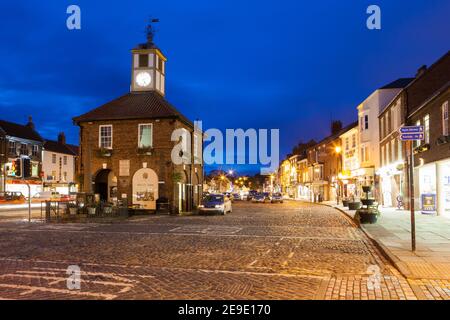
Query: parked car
column 47, row 195
column 259, row 198
column 215, row 203
column 251, row 195
column 11, row 197
column 236, row 196
column 276, row 197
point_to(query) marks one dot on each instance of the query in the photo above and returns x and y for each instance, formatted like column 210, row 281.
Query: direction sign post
column 410, row 134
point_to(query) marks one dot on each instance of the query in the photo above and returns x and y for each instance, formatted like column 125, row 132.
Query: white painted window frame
column 100, row 135
column 139, row 134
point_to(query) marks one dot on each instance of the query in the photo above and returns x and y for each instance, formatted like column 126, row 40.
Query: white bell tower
column 148, row 66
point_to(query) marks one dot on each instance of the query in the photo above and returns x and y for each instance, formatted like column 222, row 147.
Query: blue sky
column 291, row 65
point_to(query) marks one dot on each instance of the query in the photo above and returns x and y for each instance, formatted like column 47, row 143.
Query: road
column 260, row 251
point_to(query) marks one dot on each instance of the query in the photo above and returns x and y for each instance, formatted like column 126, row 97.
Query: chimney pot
column 421, row 70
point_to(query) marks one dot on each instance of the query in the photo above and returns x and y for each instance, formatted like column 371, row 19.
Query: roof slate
column 145, row 105
column 20, row 131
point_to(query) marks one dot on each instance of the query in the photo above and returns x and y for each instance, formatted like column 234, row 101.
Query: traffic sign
column 411, row 129
column 412, row 136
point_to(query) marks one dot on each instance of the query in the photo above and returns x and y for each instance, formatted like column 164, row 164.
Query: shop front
column 347, row 184
column 392, row 184
column 433, row 189
column 365, row 177
column 303, row 192
column 13, row 185
column 15, row 181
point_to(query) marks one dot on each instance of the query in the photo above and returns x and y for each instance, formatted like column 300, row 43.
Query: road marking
column 166, row 268
column 252, row 263
column 191, row 234
column 31, row 289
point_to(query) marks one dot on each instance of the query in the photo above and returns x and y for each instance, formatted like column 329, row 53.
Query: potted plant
column 107, row 209
column 104, row 152
column 73, row 209
column 145, row 151
column 91, row 210
column 367, row 202
column 354, row 205
column 177, row 177
column 345, row 202
column 367, row 215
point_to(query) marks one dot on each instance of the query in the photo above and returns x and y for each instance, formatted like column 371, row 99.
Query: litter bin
column 162, row 205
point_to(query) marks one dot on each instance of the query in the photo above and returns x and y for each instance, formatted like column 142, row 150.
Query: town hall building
column 126, row 144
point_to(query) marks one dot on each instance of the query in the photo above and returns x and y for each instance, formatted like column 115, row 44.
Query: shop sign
column 428, row 203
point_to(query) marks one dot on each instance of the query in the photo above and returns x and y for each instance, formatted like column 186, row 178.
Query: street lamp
column 338, row 151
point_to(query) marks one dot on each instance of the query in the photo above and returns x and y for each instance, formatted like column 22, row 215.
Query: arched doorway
column 105, row 184
column 145, row 188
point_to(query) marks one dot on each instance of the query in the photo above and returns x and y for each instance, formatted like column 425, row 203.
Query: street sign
column 411, row 129
column 411, row 136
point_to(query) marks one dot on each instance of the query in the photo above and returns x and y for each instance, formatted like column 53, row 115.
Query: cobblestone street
column 260, row 251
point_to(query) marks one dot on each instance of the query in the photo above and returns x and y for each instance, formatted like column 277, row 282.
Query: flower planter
column 107, row 210
column 367, row 202
column 345, row 203
column 73, row 211
column 91, row 210
column 366, row 189
column 354, row 205
column 366, row 218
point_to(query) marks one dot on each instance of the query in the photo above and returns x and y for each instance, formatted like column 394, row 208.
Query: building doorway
column 105, row 184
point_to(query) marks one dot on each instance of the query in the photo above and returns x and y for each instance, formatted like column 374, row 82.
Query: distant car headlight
column 201, row 206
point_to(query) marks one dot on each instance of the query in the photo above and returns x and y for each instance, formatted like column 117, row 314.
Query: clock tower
column 148, row 66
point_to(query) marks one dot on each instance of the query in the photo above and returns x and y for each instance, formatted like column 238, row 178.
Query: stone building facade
column 127, row 145
column 427, row 102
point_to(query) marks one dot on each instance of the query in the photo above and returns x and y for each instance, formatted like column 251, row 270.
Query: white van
column 47, row 195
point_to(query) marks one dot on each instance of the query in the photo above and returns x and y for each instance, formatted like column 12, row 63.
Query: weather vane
column 150, row 29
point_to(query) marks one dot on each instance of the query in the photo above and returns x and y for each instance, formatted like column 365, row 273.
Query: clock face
column 143, row 79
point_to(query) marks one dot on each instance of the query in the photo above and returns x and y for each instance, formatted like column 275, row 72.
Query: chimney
column 421, row 70
column 30, row 123
column 61, row 138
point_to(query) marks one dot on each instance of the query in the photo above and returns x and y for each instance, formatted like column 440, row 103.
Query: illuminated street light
column 338, row 149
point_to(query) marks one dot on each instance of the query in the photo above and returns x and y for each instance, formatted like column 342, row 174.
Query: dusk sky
column 290, row 65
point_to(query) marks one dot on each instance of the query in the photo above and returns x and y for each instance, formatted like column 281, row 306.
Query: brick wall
column 125, row 145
